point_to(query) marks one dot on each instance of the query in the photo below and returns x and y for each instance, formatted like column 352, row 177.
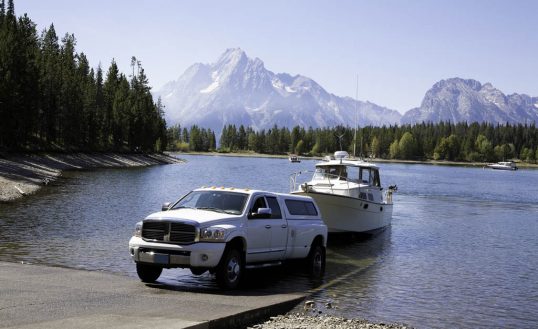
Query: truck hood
column 206, row 217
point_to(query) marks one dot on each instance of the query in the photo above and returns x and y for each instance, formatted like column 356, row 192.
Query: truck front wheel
column 148, row 273
column 230, row 269
column 316, row 261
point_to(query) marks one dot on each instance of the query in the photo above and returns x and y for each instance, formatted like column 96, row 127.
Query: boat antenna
column 340, row 140
column 356, row 118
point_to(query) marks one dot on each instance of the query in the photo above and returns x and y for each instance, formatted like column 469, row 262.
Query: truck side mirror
column 165, row 206
column 263, row 213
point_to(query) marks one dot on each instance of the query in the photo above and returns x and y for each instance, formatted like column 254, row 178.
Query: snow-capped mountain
column 459, row 100
column 239, row 90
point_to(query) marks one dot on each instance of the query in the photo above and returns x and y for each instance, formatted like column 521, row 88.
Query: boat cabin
column 366, row 175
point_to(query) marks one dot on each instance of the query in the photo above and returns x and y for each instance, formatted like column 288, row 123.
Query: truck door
column 258, row 233
column 279, row 229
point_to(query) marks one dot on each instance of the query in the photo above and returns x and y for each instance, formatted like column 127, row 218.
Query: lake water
column 462, row 251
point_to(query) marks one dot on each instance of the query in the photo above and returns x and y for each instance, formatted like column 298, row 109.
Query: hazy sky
column 398, row 49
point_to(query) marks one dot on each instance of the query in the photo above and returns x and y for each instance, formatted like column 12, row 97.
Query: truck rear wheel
column 316, row 261
column 230, row 270
column 148, row 273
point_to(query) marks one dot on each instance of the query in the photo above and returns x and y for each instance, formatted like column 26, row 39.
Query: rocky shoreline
column 24, row 174
column 302, row 321
column 314, row 315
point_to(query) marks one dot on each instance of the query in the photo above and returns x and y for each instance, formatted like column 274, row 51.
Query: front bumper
column 201, row 254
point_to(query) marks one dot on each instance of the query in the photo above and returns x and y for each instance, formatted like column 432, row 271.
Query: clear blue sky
column 398, row 49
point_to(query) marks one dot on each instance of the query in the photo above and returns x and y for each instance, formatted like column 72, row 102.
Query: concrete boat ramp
column 34, row 296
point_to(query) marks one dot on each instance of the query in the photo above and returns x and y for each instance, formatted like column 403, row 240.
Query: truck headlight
column 212, row 234
column 138, row 230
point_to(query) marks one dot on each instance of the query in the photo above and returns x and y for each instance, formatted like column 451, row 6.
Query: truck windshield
column 219, row 201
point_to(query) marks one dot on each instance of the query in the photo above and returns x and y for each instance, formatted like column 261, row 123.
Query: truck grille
column 172, row 232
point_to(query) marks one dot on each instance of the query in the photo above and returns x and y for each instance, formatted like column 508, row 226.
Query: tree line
column 475, row 142
column 51, row 99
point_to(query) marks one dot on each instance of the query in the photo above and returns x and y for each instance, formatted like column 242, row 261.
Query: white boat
column 503, row 165
column 348, row 193
column 294, row 158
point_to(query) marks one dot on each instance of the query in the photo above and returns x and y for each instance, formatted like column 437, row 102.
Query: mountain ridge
column 239, row 90
column 468, row 100
column 236, row 89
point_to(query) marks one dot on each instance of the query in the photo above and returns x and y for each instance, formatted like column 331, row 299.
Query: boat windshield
column 219, row 201
column 330, row 172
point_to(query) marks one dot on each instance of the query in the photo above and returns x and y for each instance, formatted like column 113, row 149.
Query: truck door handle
column 267, row 226
column 284, row 226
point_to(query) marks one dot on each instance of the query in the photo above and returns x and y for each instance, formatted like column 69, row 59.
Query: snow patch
column 536, row 105
column 277, row 84
column 333, row 106
column 214, row 85
column 290, row 90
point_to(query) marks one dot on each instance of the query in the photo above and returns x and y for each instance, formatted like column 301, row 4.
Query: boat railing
column 389, row 192
column 294, row 179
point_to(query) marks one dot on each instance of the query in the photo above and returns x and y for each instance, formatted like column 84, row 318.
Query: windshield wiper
column 211, row 209
column 231, row 212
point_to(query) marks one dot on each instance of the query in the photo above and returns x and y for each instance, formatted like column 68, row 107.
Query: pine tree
column 49, row 82
column 112, row 117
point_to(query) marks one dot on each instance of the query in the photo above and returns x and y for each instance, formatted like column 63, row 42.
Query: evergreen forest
column 476, row 142
column 52, row 99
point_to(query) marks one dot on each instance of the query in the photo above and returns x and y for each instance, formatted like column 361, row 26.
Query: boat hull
column 347, row 214
column 498, row 167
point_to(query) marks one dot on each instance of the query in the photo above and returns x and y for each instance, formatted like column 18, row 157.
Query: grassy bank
column 24, row 174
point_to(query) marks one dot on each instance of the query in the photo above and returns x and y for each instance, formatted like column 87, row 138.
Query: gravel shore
column 313, row 315
column 23, row 174
column 302, row 321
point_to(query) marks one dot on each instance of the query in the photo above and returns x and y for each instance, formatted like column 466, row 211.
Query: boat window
column 331, row 172
column 353, row 174
column 377, row 182
column 343, row 173
column 299, row 207
column 319, row 173
column 275, row 208
column 365, row 176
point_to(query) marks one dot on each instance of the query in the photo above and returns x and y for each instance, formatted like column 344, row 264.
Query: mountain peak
column 239, row 90
column 467, row 100
column 232, row 57
column 457, row 83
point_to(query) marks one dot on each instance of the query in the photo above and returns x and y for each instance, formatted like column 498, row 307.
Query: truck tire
column 148, row 273
column 316, row 261
column 230, row 269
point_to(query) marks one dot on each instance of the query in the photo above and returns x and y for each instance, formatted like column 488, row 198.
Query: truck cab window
column 259, row 203
column 275, row 208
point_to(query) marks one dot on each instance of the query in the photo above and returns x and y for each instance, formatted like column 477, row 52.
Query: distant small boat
column 294, row 158
column 503, row 165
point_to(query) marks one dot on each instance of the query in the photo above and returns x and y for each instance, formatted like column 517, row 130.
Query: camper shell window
column 301, row 208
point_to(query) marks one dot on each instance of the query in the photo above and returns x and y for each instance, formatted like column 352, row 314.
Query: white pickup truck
column 225, row 230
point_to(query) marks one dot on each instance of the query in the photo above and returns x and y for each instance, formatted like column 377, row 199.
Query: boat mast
column 356, row 118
